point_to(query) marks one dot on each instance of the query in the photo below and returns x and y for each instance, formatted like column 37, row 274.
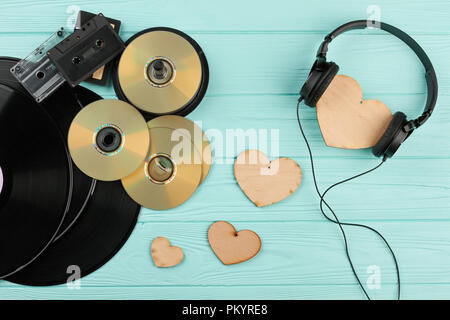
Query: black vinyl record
column 37, row 180
column 62, row 106
column 6, row 63
column 99, row 233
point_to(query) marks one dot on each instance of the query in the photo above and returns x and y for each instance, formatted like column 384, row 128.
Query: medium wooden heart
column 346, row 120
column 265, row 182
column 232, row 247
column 164, row 255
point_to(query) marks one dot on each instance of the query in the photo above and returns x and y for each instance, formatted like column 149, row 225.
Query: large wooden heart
column 265, row 182
column 346, row 120
column 232, row 247
column 164, row 255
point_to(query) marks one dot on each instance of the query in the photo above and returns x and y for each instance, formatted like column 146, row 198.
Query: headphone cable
column 341, row 224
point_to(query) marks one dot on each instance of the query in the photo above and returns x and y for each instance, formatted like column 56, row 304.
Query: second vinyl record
column 98, row 235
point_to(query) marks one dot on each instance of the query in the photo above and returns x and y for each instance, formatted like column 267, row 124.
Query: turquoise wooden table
column 259, row 53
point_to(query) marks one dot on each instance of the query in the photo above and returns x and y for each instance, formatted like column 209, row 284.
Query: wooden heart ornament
column 346, row 120
column 164, row 255
column 232, row 247
column 265, row 182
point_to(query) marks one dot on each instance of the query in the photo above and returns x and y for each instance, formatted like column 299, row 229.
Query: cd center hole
column 160, row 71
column 160, row 168
column 109, row 139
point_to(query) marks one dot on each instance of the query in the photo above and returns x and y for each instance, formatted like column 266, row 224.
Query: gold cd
column 160, row 72
column 190, row 128
column 108, row 139
column 168, row 177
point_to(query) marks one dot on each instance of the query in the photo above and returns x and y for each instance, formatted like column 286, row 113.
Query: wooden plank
column 300, row 253
column 392, row 193
column 228, row 16
column 293, row 292
column 224, row 115
column 380, row 63
column 279, row 113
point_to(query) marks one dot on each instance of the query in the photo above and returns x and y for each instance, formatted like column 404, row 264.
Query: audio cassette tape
column 37, row 74
column 100, row 76
column 88, row 48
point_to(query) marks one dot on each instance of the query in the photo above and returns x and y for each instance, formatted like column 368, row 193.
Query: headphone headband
column 430, row 75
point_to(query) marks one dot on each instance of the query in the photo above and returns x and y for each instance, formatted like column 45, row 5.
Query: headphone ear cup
column 323, row 83
column 392, row 137
column 317, row 82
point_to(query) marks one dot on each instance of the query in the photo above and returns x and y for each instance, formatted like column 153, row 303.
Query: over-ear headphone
column 323, row 72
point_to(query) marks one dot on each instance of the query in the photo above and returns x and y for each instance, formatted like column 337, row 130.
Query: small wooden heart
column 265, row 182
column 346, row 120
column 164, row 255
column 232, row 247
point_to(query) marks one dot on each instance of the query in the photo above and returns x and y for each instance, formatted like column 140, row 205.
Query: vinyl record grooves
column 98, row 235
column 167, row 178
column 73, row 99
column 66, row 96
column 6, row 63
column 161, row 71
column 198, row 137
column 37, row 180
column 108, row 139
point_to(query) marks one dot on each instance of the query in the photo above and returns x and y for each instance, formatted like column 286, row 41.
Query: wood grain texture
column 232, row 246
column 408, row 199
column 288, row 292
column 348, row 121
column 263, row 181
column 165, row 255
column 363, row 56
column 207, row 16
